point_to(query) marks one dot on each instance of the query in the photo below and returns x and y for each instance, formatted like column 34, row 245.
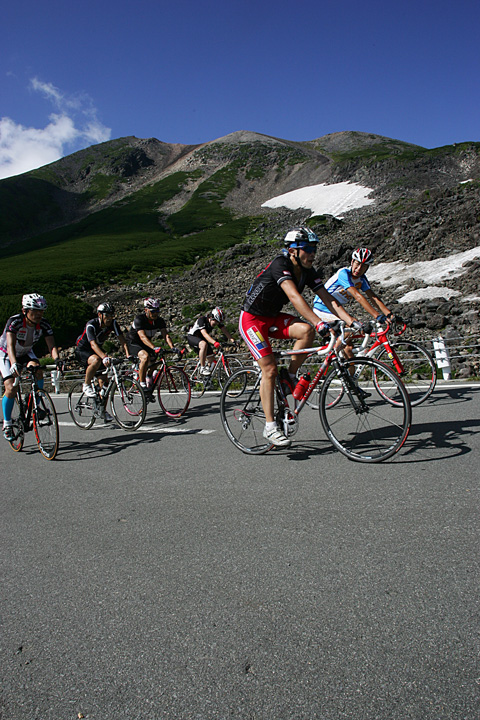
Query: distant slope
column 130, row 207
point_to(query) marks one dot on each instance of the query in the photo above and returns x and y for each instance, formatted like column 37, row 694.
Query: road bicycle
column 123, row 393
column 358, row 417
column 222, row 368
column 410, row 360
column 171, row 384
column 34, row 410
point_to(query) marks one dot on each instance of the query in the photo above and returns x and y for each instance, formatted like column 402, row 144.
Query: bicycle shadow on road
column 449, row 436
column 448, row 396
column 91, row 448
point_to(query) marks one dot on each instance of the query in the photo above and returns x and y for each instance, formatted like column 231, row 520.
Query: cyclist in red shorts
column 283, row 281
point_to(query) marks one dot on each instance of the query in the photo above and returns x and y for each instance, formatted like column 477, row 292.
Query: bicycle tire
column 227, row 368
column 369, row 429
column 242, row 414
column 45, row 425
column 197, row 384
column 82, row 408
column 128, row 403
column 18, row 428
column 419, row 369
column 174, row 392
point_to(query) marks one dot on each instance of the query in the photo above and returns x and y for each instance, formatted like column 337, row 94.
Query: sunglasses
column 310, row 249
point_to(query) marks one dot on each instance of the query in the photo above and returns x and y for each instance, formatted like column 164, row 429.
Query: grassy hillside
column 127, row 240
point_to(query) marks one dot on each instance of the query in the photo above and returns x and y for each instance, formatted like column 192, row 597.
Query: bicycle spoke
column 128, row 404
column 362, row 423
column 419, row 373
column 83, row 409
column 17, row 424
column 174, row 392
column 45, row 425
column 242, row 414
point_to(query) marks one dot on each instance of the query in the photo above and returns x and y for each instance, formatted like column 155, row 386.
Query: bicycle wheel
column 362, row 424
column 242, row 414
column 45, row 424
column 314, row 399
column 197, row 384
column 82, row 408
column 230, row 365
column 19, row 432
column 419, row 369
column 174, row 392
column 128, row 404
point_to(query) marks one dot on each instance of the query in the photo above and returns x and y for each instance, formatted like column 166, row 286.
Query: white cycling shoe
column 88, row 390
column 276, row 437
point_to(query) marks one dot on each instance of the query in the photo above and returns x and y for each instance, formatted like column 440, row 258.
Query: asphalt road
column 163, row 574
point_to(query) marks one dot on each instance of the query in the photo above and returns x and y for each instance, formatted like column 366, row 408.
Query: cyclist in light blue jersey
column 351, row 282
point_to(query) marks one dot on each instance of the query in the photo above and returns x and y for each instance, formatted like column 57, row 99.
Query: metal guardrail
column 451, row 355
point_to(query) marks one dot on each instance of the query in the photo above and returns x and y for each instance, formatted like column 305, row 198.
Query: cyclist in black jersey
column 200, row 338
column 89, row 351
column 139, row 338
column 21, row 332
column 284, row 280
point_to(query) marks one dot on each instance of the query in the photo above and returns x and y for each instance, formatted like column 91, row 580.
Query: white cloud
column 73, row 127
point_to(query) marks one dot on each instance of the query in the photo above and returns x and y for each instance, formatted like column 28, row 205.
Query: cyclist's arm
column 228, row 335
column 362, row 300
column 381, row 306
column 52, row 347
column 97, row 349
column 11, row 342
column 335, row 307
column 145, row 340
column 123, row 343
column 208, row 337
column 167, row 338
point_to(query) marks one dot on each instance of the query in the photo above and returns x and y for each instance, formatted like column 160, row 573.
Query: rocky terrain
column 426, row 206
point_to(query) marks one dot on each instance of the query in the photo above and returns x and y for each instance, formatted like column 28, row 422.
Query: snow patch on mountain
column 324, row 199
column 428, row 271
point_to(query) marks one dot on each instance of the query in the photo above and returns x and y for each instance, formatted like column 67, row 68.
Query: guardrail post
column 442, row 357
column 56, row 381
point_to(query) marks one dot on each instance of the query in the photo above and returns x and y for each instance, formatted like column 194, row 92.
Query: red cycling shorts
column 256, row 329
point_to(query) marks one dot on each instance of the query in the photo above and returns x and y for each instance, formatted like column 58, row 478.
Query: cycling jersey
column 202, row 323
column 338, row 286
column 94, row 331
column 25, row 335
column 265, row 296
column 149, row 327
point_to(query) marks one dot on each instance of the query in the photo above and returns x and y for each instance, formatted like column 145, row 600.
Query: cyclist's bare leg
column 268, row 366
column 94, row 364
column 144, row 358
column 304, row 335
column 202, row 352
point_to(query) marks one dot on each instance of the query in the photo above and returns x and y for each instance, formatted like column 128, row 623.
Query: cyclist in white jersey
column 351, row 282
column 19, row 336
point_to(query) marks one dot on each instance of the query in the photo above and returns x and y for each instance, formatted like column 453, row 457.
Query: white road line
column 171, row 430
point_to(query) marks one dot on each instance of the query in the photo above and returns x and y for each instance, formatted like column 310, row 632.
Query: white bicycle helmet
column 34, row 301
column 151, row 304
column 218, row 314
column 363, row 255
column 300, row 236
column 106, row 307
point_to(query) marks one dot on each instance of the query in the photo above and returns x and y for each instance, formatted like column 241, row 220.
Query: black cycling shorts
column 195, row 341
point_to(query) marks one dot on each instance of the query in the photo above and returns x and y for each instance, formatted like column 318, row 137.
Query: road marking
column 170, row 430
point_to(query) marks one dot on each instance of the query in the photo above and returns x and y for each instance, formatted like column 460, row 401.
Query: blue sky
column 74, row 74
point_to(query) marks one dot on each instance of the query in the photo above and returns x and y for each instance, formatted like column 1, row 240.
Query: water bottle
column 149, row 380
column 301, row 386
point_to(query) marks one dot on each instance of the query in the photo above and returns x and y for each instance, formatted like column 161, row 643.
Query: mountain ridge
column 105, row 218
